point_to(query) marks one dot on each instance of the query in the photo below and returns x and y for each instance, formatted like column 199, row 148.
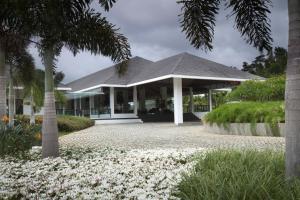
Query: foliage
column 270, row 90
column 233, row 174
column 66, row 123
column 274, row 63
column 247, row 112
column 251, row 19
column 17, row 140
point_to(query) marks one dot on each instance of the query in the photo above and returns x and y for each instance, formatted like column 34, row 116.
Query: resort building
column 150, row 91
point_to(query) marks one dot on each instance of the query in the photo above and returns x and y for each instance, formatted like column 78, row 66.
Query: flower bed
column 95, row 174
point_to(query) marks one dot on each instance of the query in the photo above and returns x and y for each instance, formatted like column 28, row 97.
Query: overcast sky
column 153, row 30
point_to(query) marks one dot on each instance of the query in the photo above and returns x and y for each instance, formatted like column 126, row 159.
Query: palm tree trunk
column 292, row 95
column 49, row 130
column 10, row 99
column 32, row 117
column 2, row 83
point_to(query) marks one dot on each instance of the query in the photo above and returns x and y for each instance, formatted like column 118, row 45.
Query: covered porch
column 165, row 100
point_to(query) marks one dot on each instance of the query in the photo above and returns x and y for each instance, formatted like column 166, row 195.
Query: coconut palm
column 74, row 25
column 251, row 19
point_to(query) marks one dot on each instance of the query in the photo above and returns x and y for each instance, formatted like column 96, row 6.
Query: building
column 150, row 91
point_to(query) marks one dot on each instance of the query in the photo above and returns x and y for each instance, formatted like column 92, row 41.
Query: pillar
column 112, row 101
column 191, row 100
column 75, row 106
column 135, row 101
column 210, row 100
column 178, row 110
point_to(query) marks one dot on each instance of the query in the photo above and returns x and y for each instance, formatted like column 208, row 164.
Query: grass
column 234, row 175
column 247, row 112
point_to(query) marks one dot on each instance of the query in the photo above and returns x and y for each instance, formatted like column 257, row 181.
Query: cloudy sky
column 152, row 27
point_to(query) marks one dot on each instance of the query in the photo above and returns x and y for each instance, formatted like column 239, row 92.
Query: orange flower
column 38, row 136
column 39, row 120
column 5, row 119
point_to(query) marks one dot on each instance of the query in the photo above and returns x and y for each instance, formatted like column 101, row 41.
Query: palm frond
column 251, row 18
column 107, row 4
column 94, row 33
column 198, row 21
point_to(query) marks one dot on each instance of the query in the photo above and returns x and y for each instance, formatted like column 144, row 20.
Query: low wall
column 258, row 129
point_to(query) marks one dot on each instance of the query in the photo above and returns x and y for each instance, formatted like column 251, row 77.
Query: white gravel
column 96, row 174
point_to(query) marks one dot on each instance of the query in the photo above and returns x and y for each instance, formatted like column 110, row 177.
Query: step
column 118, row 121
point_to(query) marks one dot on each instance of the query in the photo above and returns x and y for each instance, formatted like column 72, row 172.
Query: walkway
column 164, row 135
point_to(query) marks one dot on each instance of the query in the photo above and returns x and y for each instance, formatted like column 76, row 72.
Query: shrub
column 66, row 123
column 270, row 90
column 229, row 174
column 247, row 112
column 18, row 139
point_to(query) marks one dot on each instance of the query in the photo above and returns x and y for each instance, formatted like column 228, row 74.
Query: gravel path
column 164, row 135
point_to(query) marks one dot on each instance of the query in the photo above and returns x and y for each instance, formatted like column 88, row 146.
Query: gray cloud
column 153, row 30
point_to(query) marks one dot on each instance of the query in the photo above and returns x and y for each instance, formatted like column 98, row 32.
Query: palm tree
column 251, row 19
column 14, row 32
column 71, row 24
column 21, row 68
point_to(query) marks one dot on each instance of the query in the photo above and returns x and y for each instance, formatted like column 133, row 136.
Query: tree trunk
column 32, row 117
column 49, row 130
column 292, row 95
column 11, row 98
column 2, row 83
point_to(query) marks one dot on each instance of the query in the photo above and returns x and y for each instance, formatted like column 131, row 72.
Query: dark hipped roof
column 140, row 69
column 110, row 76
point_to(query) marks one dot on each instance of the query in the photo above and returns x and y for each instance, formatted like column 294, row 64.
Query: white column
column 191, row 100
column 210, row 100
column 112, row 101
column 178, row 110
column 135, row 101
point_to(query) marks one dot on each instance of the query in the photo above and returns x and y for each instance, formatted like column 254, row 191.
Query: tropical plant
column 14, row 34
column 270, row 90
column 251, row 20
column 234, row 174
column 71, row 24
column 17, row 140
column 21, row 68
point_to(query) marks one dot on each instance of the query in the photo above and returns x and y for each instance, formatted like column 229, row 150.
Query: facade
column 150, row 91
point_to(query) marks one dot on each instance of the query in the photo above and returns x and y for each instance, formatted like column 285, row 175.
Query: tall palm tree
column 251, row 19
column 71, row 24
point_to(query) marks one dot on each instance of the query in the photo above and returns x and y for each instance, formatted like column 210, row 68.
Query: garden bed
column 247, row 118
column 248, row 129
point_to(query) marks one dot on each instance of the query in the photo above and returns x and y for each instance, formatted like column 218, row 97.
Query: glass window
column 124, row 100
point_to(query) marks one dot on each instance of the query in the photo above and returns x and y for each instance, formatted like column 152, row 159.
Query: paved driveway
column 163, row 135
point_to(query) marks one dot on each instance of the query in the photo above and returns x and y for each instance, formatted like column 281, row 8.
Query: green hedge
column 247, row 112
column 66, row 123
column 228, row 174
column 270, row 90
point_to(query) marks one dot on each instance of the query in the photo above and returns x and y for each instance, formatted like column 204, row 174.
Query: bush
column 270, row 90
column 228, row 174
column 19, row 139
column 247, row 112
column 66, row 123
